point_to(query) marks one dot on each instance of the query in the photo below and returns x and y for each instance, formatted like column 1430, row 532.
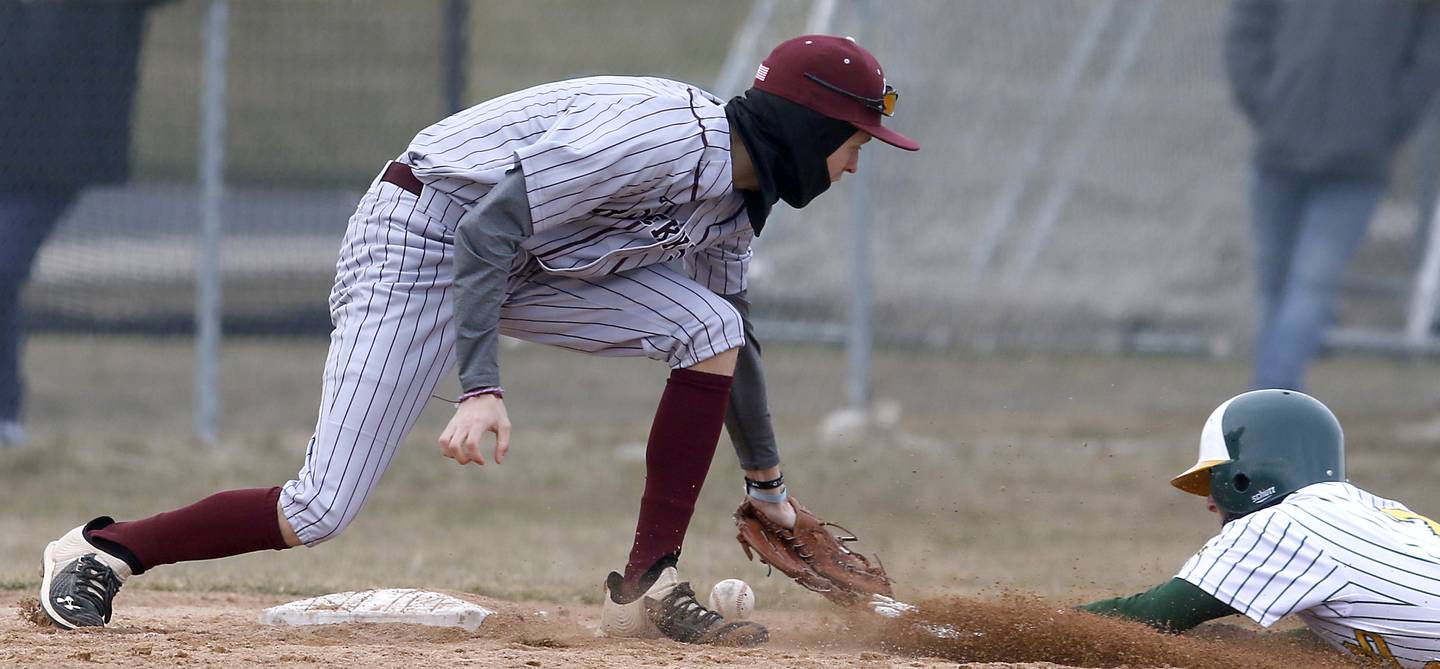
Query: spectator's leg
column 25, row 221
column 1333, row 224
column 1276, row 200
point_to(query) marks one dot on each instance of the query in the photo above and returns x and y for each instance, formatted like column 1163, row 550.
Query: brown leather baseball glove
column 812, row 555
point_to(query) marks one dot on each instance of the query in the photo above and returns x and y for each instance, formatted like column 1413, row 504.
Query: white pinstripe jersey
column 1363, row 572
column 621, row 172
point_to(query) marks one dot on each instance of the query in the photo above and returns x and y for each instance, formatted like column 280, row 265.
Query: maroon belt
column 401, row 175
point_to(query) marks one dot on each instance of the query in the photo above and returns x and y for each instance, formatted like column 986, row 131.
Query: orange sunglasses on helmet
column 885, row 104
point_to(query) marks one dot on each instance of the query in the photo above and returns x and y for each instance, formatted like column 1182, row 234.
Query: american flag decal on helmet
column 761, row 72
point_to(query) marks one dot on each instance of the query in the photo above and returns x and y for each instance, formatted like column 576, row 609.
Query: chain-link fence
column 320, row 95
column 1081, row 182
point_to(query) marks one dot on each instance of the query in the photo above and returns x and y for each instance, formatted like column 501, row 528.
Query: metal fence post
column 861, row 335
column 456, row 53
column 207, row 268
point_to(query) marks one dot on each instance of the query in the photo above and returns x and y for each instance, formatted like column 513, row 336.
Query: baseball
column 733, row 599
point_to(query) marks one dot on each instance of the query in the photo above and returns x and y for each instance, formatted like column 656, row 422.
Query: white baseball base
column 395, row 605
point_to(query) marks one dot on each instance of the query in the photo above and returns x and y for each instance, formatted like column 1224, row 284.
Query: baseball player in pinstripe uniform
column 553, row 215
column 1361, row 571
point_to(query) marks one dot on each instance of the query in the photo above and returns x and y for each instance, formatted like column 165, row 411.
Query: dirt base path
column 169, row 629
column 181, row 629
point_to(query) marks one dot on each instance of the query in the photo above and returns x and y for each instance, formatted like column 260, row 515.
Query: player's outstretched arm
column 1174, row 606
column 747, row 417
column 486, row 241
column 465, row 434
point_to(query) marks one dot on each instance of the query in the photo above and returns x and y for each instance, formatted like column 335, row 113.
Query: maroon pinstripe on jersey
column 621, row 172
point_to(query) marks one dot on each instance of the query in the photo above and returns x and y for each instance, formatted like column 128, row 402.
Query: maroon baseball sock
column 677, row 457
column 226, row 523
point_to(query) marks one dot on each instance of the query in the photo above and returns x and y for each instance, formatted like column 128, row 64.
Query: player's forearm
column 1174, row 606
column 486, row 242
column 748, row 417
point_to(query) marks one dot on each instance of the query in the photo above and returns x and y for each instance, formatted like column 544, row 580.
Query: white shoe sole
column 626, row 621
column 631, row 620
column 45, row 588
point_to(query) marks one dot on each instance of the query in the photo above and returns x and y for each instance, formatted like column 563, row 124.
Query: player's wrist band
column 772, row 491
column 772, row 484
column 497, row 391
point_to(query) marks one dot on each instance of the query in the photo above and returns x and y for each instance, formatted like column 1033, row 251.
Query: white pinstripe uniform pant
column 393, row 340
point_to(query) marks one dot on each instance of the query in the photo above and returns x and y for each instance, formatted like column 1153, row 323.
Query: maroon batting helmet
column 835, row 77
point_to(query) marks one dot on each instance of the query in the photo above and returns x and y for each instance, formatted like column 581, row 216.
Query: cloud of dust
column 1022, row 628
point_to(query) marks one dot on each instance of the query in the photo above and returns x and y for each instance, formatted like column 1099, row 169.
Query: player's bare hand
column 474, row 418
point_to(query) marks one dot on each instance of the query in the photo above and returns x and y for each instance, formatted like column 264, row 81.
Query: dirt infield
column 165, row 629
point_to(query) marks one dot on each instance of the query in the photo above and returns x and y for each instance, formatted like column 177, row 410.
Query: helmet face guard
column 1260, row 446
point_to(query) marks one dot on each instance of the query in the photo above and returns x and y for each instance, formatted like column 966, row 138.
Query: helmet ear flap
column 1240, row 482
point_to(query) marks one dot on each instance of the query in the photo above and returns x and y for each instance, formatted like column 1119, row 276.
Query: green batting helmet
column 1260, row 446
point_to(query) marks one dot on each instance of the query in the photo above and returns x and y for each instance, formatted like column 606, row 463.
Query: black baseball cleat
column 80, row 580
column 679, row 616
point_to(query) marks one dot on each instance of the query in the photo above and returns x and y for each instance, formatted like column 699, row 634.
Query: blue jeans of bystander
column 26, row 219
column 1307, row 228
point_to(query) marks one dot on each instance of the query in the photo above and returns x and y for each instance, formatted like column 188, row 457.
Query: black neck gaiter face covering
column 788, row 145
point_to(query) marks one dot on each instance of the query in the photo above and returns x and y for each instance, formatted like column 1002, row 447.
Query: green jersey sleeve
column 1174, row 606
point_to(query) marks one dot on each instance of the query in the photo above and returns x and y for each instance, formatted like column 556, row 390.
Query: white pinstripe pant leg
column 391, row 344
column 650, row 311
